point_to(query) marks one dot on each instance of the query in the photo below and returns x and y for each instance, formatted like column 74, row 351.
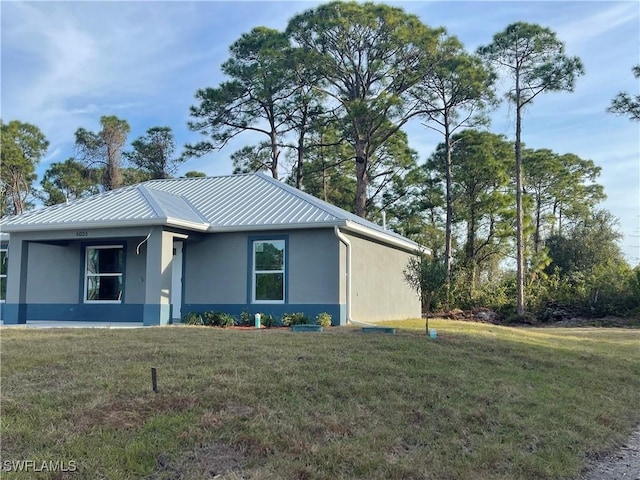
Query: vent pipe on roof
column 384, row 219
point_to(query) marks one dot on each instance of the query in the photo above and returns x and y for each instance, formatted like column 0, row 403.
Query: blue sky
column 65, row 64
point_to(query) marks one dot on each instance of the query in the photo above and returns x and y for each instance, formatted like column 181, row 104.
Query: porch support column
column 157, row 304
column 15, row 308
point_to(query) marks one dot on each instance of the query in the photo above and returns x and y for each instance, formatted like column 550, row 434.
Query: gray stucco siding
column 313, row 272
column 379, row 291
column 215, row 269
column 53, row 273
column 218, row 269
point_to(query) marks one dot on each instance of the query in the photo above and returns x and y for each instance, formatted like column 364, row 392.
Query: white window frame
column 5, row 250
column 87, row 275
column 254, row 272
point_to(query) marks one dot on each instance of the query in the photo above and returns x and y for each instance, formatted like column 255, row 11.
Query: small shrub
column 227, row 320
column 289, row 319
column 323, row 319
column 245, row 318
column 218, row 319
column 192, row 318
column 268, row 320
column 208, row 319
column 222, row 319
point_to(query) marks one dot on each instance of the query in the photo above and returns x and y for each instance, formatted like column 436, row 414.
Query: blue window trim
column 250, row 279
column 83, row 257
column 5, row 248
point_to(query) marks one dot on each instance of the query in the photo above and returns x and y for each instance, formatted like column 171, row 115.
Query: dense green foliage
column 22, row 147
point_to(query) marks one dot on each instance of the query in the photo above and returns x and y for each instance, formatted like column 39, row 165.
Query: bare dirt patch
column 216, row 461
column 621, row 464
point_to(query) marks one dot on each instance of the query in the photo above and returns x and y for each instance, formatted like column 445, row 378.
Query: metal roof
column 214, row 204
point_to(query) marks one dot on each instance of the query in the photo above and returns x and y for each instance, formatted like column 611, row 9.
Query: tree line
column 325, row 102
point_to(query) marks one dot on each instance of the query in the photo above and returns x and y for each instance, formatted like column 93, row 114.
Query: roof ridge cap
column 149, row 196
column 150, row 193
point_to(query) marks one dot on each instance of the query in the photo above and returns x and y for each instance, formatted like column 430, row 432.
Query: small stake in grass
column 154, row 380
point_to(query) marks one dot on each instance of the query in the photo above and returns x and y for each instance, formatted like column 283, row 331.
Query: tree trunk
column 520, row 299
column 275, row 153
column 299, row 171
column 362, row 179
column 536, row 234
column 426, row 315
column 449, row 214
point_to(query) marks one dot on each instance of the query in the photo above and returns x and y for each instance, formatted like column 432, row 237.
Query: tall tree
column 625, row 104
column 154, row 153
column 23, row 146
column 481, row 198
column 261, row 79
column 561, row 187
column 328, row 173
column 454, row 94
column 103, row 149
column 69, row 180
column 306, row 113
column 368, row 57
column 534, row 60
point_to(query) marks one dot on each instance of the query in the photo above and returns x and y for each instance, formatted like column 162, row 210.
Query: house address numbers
column 82, row 234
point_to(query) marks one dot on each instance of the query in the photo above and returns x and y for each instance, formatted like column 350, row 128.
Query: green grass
column 479, row 402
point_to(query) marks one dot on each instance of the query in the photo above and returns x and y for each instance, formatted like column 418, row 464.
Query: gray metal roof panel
column 124, row 204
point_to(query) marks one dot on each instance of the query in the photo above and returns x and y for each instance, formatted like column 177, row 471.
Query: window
column 268, row 271
column 3, row 274
column 103, row 273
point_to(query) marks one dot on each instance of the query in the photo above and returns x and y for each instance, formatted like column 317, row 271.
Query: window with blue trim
column 104, row 266
column 269, row 271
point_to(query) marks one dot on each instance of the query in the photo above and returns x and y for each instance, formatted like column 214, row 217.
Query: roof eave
column 39, row 227
column 274, row 226
column 385, row 238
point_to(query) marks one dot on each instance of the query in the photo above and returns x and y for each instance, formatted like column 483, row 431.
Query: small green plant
column 222, row 319
column 289, row 319
column 268, row 320
column 208, row 319
column 245, row 318
column 323, row 319
column 218, row 319
column 192, row 318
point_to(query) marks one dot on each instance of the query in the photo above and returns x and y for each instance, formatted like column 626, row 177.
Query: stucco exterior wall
column 215, row 269
column 53, row 273
column 379, row 291
column 313, row 267
column 218, row 270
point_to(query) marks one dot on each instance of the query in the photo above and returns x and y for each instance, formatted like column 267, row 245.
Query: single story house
column 156, row 251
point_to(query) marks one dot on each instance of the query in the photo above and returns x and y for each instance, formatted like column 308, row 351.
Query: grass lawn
column 479, row 402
